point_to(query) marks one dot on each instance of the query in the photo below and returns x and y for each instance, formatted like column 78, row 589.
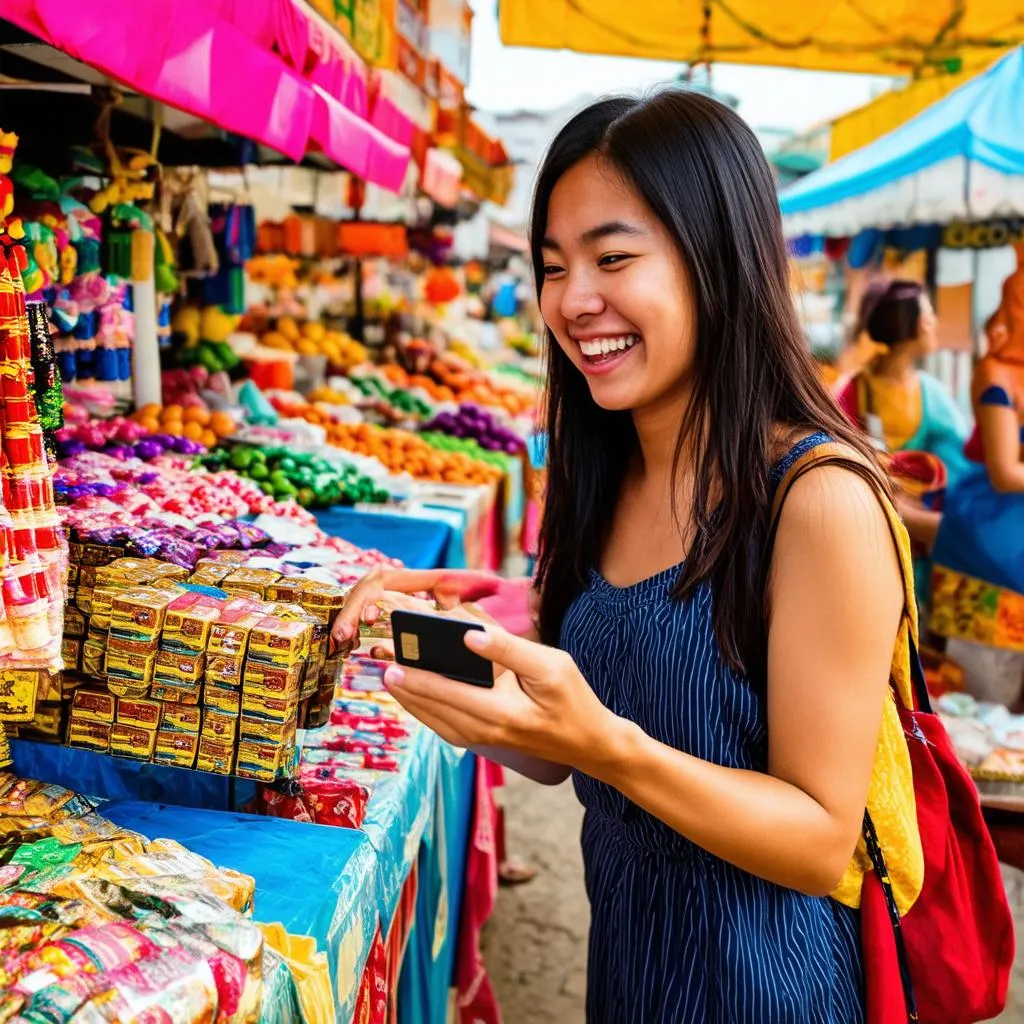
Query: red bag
column 948, row 959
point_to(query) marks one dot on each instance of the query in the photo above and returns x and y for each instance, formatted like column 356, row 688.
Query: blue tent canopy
column 956, row 160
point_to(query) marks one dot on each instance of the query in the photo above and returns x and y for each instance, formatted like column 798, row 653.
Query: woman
column 907, row 411
column 716, row 696
column 979, row 553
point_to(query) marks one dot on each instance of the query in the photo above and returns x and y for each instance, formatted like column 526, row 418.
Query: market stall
column 193, row 480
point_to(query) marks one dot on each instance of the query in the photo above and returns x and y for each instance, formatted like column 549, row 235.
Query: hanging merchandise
column 49, row 392
column 33, row 553
column 234, row 233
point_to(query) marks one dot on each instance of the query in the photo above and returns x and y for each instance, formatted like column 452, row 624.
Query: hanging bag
column 947, row 959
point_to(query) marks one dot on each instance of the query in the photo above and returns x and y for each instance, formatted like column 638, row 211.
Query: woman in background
column 979, row 553
column 906, row 411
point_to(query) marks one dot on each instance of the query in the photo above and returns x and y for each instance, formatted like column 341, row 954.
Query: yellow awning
column 890, row 110
column 871, row 36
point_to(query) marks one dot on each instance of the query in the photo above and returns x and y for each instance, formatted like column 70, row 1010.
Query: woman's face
column 927, row 328
column 616, row 294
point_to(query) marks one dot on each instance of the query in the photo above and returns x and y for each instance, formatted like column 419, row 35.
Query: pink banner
column 190, row 59
column 216, row 59
column 357, row 145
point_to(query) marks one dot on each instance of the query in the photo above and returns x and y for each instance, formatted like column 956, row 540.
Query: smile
column 601, row 351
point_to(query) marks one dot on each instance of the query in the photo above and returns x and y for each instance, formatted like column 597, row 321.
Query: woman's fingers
column 526, row 659
column 365, row 593
column 452, row 727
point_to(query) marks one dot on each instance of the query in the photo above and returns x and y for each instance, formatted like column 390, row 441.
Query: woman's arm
column 837, row 596
column 1000, row 434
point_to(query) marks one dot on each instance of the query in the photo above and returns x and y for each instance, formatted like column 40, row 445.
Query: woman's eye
column 612, row 259
column 551, row 269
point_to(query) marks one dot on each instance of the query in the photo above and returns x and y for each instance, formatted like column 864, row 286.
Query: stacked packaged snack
column 214, row 671
column 33, row 552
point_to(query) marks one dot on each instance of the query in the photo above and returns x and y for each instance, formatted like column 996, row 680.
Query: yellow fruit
column 306, row 348
column 289, row 328
column 276, row 340
column 313, row 331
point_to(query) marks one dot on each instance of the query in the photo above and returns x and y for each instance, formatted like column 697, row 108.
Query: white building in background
column 527, row 134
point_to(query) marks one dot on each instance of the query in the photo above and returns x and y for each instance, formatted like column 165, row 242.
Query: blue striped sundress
column 678, row 935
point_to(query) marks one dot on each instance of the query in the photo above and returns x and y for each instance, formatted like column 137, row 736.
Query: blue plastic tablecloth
column 115, row 778
column 428, row 970
column 420, row 542
column 313, row 879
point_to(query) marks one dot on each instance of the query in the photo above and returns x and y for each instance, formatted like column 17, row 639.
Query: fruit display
column 205, row 333
column 453, row 380
column 474, row 422
column 395, row 403
column 404, row 452
column 107, row 494
column 466, row 446
column 313, row 339
column 194, row 422
column 123, row 439
column 309, row 480
column 195, row 386
column 330, row 395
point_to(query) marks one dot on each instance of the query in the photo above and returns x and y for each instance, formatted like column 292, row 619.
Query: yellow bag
column 309, row 969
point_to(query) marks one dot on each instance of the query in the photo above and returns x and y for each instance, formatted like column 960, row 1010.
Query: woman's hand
column 450, row 588
column 540, row 705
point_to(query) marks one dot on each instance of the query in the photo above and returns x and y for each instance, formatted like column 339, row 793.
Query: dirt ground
column 536, row 943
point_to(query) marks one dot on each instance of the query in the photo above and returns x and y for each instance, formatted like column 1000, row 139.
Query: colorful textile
column 936, row 426
column 978, row 582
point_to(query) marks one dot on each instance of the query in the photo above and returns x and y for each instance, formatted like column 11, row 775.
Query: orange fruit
column 172, row 412
column 222, row 424
column 209, row 438
column 197, row 414
column 150, row 423
column 172, row 427
column 193, row 431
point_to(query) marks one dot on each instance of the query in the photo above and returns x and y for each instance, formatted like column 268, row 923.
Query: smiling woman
column 721, row 598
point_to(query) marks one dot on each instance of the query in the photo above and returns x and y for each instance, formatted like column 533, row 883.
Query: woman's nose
column 580, row 297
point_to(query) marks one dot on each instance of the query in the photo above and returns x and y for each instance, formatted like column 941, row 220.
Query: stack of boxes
column 214, row 671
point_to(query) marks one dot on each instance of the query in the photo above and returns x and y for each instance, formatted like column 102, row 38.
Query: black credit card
column 435, row 644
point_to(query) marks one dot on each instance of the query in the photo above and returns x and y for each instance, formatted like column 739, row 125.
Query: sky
column 506, row 78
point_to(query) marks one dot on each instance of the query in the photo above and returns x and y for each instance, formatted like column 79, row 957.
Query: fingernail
column 393, row 676
column 476, row 638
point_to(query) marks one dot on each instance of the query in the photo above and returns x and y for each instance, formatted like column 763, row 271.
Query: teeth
column 603, row 346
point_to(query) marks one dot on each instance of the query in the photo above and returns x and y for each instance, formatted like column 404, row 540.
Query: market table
column 419, row 815
column 418, row 541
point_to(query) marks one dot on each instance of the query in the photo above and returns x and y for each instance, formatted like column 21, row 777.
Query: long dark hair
column 890, row 311
column 701, row 170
